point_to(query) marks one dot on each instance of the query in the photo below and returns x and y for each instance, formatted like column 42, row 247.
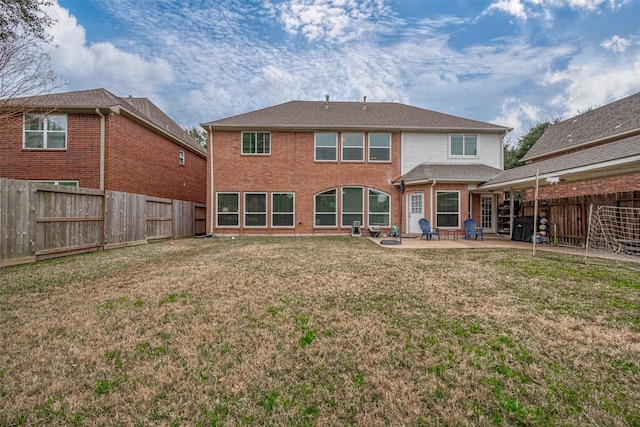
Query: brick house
column 592, row 158
column 94, row 139
column 306, row 167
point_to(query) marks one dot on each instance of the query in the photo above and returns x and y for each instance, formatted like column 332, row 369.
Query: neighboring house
column 307, row 167
column 591, row 158
column 94, row 139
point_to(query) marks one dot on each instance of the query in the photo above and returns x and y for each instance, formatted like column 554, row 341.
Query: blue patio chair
column 426, row 229
column 470, row 229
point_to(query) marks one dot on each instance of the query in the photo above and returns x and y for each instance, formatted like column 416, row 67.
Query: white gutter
column 102, row 147
column 210, row 161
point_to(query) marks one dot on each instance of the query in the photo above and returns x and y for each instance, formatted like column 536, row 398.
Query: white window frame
column 335, row 212
column 348, row 145
column 274, row 213
column 181, row 158
column 315, row 147
column 438, row 213
column 236, row 213
column 370, row 157
column 45, row 131
column 464, row 146
column 264, row 213
column 64, row 182
column 348, row 224
column 369, row 212
column 255, row 153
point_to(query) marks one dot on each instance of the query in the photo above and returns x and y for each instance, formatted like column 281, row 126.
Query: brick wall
column 79, row 162
column 608, row 185
column 291, row 168
column 138, row 160
column 144, row 162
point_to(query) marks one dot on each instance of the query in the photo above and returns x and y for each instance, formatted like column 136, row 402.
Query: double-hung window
column 282, row 209
column 326, row 146
column 45, row 131
column 379, row 208
column 352, row 147
column 256, row 143
column 448, row 209
column 325, row 209
column 228, row 210
column 352, row 205
column 255, row 209
column 463, row 145
column 380, row 147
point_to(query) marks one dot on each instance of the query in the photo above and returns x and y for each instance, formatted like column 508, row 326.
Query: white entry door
column 416, row 211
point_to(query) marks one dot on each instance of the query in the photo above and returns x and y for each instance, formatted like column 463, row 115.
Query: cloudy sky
column 508, row 62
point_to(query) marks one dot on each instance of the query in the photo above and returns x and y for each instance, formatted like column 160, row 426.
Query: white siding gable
column 418, row 148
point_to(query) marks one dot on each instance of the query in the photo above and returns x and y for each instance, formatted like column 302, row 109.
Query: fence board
column 125, row 222
column 159, row 218
column 68, row 219
column 17, row 222
column 40, row 221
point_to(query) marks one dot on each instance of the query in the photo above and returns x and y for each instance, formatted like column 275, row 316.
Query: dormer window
column 45, row 131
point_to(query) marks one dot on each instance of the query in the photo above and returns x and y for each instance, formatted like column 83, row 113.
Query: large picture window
column 464, row 145
column 379, row 208
column 325, row 210
column 256, row 143
column 228, row 210
column 255, row 209
column 352, row 205
column 448, row 209
column 353, row 147
column 326, row 146
column 380, row 147
column 282, row 209
column 46, row 132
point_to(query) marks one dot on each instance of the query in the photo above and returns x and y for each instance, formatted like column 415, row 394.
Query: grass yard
column 318, row 331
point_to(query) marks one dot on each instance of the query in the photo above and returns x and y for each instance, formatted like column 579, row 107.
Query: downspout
column 102, row 147
column 210, row 160
column 431, row 202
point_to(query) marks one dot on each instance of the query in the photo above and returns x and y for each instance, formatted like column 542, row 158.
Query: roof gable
column 350, row 115
column 611, row 121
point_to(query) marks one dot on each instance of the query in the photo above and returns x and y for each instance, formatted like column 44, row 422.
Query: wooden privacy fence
column 39, row 221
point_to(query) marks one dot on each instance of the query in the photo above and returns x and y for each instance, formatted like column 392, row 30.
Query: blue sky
column 508, row 62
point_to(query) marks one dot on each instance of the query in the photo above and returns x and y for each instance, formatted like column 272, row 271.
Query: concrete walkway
column 490, row 241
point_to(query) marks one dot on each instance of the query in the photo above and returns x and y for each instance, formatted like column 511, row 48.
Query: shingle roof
column 350, row 115
column 618, row 118
column 450, row 172
column 102, row 99
column 628, row 148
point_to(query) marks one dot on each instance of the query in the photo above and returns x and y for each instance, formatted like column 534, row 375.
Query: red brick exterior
column 138, row 160
column 291, row 168
column 599, row 186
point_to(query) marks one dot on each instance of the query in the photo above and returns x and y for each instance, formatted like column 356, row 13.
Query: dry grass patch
column 318, row 331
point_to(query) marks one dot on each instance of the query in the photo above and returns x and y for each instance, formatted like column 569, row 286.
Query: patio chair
column 470, row 229
column 426, row 229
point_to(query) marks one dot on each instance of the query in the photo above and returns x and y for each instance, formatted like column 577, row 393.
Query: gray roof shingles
column 618, row 118
column 450, row 172
column 350, row 115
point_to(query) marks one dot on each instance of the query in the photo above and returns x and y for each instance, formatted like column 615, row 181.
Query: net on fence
column 614, row 232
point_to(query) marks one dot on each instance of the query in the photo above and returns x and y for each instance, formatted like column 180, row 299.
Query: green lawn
column 325, row 331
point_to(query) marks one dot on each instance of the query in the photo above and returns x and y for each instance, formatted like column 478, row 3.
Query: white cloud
column 616, row 44
column 102, row 64
column 329, row 20
column 520, row 115
column 514, row 8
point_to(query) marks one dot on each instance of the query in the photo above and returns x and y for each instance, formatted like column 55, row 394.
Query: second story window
column 353, row 147
column 380, row 147
column 256, row 143
column 45, row 132
column 326, row 146
column 181, row 158
column 463, row 145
